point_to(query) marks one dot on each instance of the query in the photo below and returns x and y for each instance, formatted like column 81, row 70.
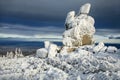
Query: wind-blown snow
column 81, row 64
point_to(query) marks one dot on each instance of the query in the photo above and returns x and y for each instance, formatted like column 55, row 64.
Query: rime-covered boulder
column 52, row 50
column 98, row 47
column 103, row 49
column 42, row 53
column 85, row 8
column 79, row 28
column 111, row 49
column 46, row 44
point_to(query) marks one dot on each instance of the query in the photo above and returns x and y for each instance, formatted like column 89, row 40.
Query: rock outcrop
column 79, row 28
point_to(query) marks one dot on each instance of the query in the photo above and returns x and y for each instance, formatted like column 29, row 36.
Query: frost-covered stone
column 79, row 28
column 111, row 49
column 65, row 50
column 98, row 47
column 68, row 41
column 42, row 53
column 83, row 52
column 104, row 49
column 52, row 50
column 85, row 8
column 46, row 44
column 70, row 18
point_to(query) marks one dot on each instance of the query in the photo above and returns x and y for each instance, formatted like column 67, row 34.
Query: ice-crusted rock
column 52, row 50
column 103, row 49
column 85, row 8
column 98, row 47
column 68, row 41
column 46, row 44
column 79, row 28
column 83, row 52
column 111, row 49
column 42, row 53
column 69, row 19
column 87, row 47
column 66, row 50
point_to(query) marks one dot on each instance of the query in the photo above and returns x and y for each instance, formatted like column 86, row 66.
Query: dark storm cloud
column 27, row 30
column 105, row 12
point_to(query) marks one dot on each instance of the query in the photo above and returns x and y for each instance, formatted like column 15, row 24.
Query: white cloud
column 3, row 35
column 33, row 32
column 104, row 39
column 51, row 33
column 30, row 30
column 97, row 38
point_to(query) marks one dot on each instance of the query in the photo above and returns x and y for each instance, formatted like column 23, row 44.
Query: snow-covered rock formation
column 98, row 47
column 79, row 28
column 52, row 50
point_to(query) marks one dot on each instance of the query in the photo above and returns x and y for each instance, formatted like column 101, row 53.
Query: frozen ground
column 90, row 62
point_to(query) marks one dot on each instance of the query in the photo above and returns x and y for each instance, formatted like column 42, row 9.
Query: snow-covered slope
column 84, row 63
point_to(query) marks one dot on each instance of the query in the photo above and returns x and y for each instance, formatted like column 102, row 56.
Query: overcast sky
column 53, row 12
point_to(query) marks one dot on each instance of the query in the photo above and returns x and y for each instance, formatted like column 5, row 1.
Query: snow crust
column 81, row 64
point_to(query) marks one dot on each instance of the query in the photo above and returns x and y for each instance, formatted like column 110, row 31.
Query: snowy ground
column 85, row 63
